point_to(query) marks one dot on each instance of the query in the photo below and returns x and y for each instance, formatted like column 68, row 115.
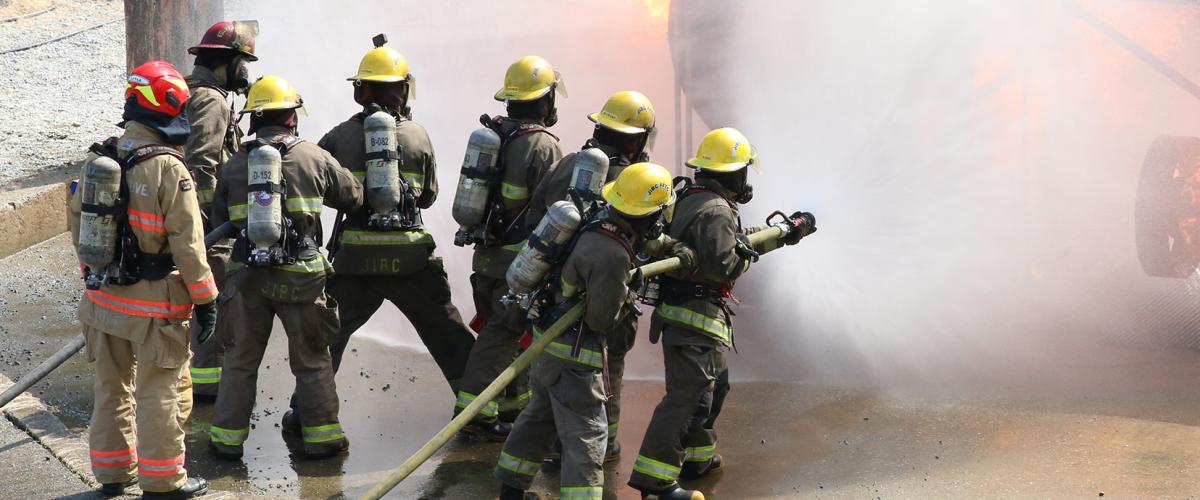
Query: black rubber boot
column 114, row 489
column 613, row 452
column 224, row 451
column 694, row 470
column 317, row 451
column 194, row 487
column 675, row 492
column 495, row 432
column 509, row 493
column 290, row 423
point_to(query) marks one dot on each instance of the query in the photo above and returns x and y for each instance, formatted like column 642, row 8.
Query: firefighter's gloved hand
column 744, row 249
column 805, row 224
column 205, row 315
column 687, row 256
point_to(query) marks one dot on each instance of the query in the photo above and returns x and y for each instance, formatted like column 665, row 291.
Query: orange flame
column 657, row 9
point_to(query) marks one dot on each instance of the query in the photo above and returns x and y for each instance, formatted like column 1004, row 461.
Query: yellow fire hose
column 758, row 239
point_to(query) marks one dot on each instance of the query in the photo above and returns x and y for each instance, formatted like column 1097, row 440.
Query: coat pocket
column 171, row 344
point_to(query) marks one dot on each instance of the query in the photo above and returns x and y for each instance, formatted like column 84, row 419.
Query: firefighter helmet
column 271, row 92
column 530, row 78
column 158, row 86
column 382, row 64
column 640, row 189
column 627, row 112
column 231, row 35
column 725, row 150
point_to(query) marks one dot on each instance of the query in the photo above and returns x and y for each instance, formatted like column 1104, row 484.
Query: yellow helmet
column 530, row 78
column 271, row 92
column 628, row 112
column 382, row 64
column 640, row 189
column 725, row 150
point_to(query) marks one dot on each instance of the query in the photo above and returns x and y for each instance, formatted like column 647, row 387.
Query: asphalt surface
column 1080, row 416
column 36, row 472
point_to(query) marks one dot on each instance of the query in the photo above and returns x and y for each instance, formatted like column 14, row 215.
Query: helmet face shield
column 560, row 87
column 651, row 138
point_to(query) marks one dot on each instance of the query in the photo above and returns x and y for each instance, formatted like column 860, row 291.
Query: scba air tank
column 591, row 172
column 473, row 195
column 556, row 228
column 264, row 206
column 383, row 166
column 101, row 198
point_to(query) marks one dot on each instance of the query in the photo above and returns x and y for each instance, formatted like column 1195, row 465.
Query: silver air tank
column 474, row 182
column 264, row 208
column 591, row 172
column 557, row 227
column 383, row 169
column 101, row 187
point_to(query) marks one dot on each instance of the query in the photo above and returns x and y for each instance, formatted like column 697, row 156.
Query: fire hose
column 42, row 370
column 771, row 233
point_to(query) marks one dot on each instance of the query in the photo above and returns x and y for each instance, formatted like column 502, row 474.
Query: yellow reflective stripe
column 237, row 212
column 568, row 288
column 655, row 469
column 304, row 205
column 465, row 398
column 514, row 192
column 231, row 437
column 688, row 317
column 205, row 195
column 206, row 375
column 323, row 433
column 352, row 237
column 581, row 492
column 700, row 453
column 415, row 180
column 360, row 174
column 514, row 248
column 586, row 356
column 517, row 465
column 517, row 403
column 317, row 265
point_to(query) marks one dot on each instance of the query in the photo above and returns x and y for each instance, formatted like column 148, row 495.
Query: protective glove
column 804, row 224
column 744, row 249
column 205, row 315
column 687, row 256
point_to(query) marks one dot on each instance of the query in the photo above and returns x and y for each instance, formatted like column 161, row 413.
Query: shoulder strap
column 147, row 152
column 611, row 230
column 530, row 128
column 196, row 84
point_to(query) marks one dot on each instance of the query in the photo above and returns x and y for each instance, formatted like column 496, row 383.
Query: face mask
column 238, row 75
column 746, row 194
column 552, row 118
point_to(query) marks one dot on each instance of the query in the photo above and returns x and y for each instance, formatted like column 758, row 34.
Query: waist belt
column 675, row 292
column 155, row 266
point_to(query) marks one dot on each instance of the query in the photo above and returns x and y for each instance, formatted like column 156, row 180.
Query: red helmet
column 230, row 35
column 158, row 86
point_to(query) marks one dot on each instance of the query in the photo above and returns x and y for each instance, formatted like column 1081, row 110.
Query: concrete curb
column 29, row 414
column 31, row 215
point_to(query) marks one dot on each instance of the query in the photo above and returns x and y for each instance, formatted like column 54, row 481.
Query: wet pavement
column 1072, row 418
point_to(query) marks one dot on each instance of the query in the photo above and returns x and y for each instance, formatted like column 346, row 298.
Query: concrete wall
column 31, row 215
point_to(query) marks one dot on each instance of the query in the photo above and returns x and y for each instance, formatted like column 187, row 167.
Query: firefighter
column 383, row 251
column 693, row 319
column 528, row 151
column 624, row 131
column 219, row 70
column 568, row 380
column 136, row 308
column 273, row 190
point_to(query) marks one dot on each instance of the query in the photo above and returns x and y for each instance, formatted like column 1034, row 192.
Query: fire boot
column 114, row 489
column 695, row 470
column 495, row 432
column 224, row 451
column 613, row 452
column 194, row 487
column 675, row 492
column 509, row 493
column 290, row 423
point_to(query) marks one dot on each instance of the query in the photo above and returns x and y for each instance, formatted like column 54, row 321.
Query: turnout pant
column 620, row 341
column 207, row 357
column 681, row 429
column 423, row 297
column 146, row 384
column 249, row 317
column 494, row 350
column 567, row 404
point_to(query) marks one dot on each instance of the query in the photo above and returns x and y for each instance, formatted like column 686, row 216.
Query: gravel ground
column 57, row 99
